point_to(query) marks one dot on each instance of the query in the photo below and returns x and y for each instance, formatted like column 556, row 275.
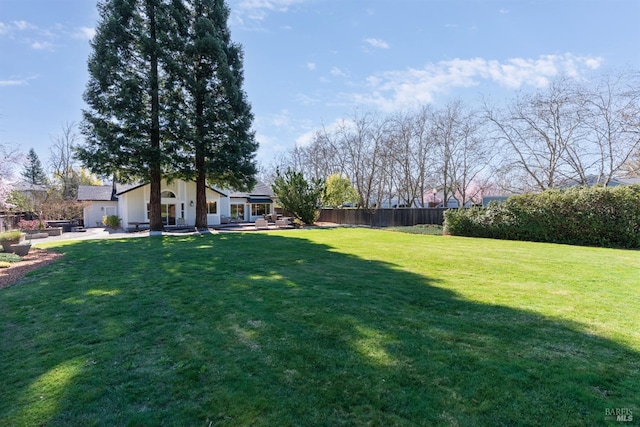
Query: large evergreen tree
column 214, row 118
column 122, row 121
column 33, row 173
column 169, row 62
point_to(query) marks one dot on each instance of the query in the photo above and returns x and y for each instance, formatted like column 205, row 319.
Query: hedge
column 590, row 216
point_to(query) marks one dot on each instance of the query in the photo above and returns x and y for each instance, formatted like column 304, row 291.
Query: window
column 212, row 207
column 110, row 210
column 258, row 209
column 237, row 211
column 167, row 195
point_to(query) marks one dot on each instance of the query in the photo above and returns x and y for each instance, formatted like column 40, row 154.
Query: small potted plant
column 21, row 249
column 9, row 238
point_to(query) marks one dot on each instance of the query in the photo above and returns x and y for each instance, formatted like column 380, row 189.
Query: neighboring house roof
column 96, row 193
column 26, row 186
column 261, row 193
column 614, row 182
column 488, row 199
column 629, row 181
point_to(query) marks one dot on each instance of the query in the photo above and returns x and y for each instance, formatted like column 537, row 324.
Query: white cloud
column 377, row 43
column 337, row 72
column 593, row 63
column 393, row 89
column 281, row 119
column 306, row 99
column 4, row 28
column 277, row 5
column 24, row 25
column 12, row 83
column 311, row 65
column 306, row 138
column 258, row 9
column 42, row 45
column 85, row 33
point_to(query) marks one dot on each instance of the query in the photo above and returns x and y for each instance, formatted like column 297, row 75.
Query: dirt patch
column 37, row 258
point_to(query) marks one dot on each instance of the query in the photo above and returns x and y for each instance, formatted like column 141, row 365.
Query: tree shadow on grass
column 260, row 329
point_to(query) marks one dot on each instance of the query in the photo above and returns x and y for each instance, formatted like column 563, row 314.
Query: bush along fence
column 384, row 217
column 598, row 216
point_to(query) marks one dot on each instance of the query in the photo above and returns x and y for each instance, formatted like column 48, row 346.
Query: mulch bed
column 35, row 259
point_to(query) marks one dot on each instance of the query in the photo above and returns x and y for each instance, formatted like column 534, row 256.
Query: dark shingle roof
column 260, row 190
column 26, row 186
column 96, row 192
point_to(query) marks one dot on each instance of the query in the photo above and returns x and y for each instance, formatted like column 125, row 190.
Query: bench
column 138, row 224
column 261, row 223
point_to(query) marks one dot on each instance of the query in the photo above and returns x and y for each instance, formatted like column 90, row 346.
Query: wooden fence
column 384, row 217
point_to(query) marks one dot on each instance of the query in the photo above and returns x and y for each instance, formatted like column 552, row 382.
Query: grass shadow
column 263, row 329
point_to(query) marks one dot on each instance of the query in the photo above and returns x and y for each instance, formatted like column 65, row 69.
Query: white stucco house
column 131, row 203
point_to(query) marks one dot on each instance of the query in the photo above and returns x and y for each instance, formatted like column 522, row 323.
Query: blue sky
column 309, row 63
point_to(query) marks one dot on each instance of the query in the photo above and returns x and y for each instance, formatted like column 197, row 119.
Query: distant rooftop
column 260, row 189
column 27, row 186
column 96, row 192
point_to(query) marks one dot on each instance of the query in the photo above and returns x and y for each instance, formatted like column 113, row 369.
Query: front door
column 168, row 214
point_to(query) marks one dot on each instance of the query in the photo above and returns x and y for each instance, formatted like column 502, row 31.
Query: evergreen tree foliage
column 33, row 173
column 124, row 94
column 297, row 195
column 212, row 117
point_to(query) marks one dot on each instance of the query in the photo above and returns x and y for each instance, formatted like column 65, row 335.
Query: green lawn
column 322, row 327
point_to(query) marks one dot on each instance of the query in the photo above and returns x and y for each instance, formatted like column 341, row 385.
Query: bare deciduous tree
column 536, row 132
column 564, row 134
column 62, row 160
column 612, row 121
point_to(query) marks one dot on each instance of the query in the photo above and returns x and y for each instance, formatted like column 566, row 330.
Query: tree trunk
column 155, row 173
column 155, row 212
column 201, row 200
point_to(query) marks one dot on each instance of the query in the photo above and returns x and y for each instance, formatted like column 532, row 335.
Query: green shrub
column 297, row 195
column 9, row 236
column 7, row 257
column 599, row 216
column 111, row 221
